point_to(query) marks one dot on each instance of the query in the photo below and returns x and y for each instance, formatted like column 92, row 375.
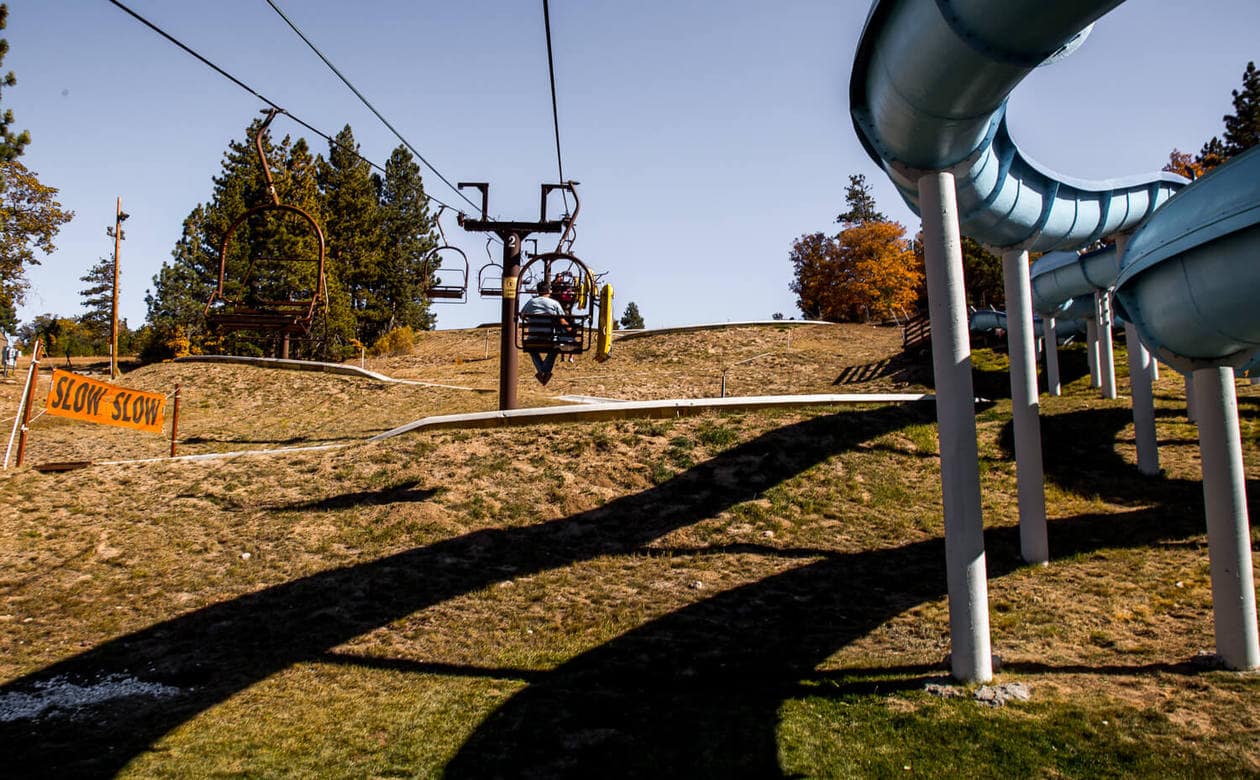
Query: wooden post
column 175, row 422
column 31, row 381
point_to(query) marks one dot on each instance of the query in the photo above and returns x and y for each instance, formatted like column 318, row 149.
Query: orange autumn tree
column 868, row 270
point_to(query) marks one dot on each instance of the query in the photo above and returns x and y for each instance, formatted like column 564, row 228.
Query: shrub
column 398, row 341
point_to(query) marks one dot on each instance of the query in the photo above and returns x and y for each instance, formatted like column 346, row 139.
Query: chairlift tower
column 513, row 234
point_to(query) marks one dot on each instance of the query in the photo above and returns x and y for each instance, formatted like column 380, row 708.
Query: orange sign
column 82, row 398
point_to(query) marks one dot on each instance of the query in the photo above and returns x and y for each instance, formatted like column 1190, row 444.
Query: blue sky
column 706, row 136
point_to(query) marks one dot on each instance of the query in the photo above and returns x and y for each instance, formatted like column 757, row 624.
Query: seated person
column 544, row 321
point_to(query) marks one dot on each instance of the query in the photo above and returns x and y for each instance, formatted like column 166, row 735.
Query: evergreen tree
column 180, row 291
column 861, row 204
column 98, row 299
column 1212, row 154
column 1242, row 128
column 354, row 234
column 257, row 266
column 982, row 274
column 408, row 243
column 11, row 144
column 8, row 317
column 630, row 318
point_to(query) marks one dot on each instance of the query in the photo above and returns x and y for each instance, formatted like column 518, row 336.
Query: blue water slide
column 1059, row 279
column 1190, row 275
column 928, row 93
column 989, row 320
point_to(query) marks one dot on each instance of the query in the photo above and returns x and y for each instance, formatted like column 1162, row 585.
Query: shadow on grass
column 407, row 492
column 215, row 652
column 696, row 691
column 291, row 441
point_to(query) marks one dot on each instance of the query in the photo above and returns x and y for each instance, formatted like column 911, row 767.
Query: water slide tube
column 927, row 95
column 1059, row 278
column 1064, row 282
column 989, row 320
column 1191, row 272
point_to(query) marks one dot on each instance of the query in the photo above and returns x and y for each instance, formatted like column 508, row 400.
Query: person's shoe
column 544, row 378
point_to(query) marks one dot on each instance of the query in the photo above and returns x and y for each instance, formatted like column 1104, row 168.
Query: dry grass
column 751, row 593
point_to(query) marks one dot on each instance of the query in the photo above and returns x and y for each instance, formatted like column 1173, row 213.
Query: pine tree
column 630, row 318
column 11, row 144
column 1242, row 128
column 180, row 291
column 98, row 299
column 354, row 234
column 861, row 204
column 408, row 240
column 256, row 267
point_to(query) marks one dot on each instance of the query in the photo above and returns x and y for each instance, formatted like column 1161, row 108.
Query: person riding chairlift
column 566, row 295
column 550, row 323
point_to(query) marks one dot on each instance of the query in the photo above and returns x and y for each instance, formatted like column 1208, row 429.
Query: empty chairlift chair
column 271, row 266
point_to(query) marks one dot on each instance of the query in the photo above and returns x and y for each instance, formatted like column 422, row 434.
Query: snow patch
column 60, row 694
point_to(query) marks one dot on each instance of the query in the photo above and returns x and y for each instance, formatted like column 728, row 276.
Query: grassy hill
column 750, row 593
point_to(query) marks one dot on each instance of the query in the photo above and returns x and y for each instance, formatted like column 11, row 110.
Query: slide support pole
column 970, row 657
column 1225, row 504
column 1053, row 385
column 1106, row 351
column 1029, row 476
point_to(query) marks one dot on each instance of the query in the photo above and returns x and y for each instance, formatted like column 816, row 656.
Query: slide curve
column 928, row 93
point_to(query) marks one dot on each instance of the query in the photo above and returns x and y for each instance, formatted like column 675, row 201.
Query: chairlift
column 490, row 277
column 568, row 276
column 269, row 295
column 448, row 273
column 450, row 277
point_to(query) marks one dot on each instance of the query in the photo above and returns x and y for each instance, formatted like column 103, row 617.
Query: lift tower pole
column 513, row 234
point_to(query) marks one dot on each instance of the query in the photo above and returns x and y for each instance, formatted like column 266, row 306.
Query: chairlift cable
column 555, row 113
column 366, row 102
column 190, row 51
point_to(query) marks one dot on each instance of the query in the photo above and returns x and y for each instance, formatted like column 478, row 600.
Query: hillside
column 750, row 593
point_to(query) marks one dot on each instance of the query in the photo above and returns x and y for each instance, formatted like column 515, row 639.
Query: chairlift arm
column 262, row 155
column 569, row 219
column 484, row 188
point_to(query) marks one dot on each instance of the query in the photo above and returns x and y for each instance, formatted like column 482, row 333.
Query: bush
column 399, row 341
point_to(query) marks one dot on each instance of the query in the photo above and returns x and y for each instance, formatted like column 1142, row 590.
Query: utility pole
column 115, row 233
column 512, row 233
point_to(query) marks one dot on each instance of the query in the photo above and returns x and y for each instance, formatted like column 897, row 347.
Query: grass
column 750, row 594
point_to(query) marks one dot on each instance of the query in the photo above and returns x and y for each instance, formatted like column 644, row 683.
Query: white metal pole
column 1190, row 415
column 1091, row 348
column 970, row 658
column 1141, row 390
column 1106, row 351
column 1029, row 477
column 1051, row 341
column 1229, row 532
column 1154, row 369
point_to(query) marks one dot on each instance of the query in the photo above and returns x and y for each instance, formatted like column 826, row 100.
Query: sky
column 705, row 136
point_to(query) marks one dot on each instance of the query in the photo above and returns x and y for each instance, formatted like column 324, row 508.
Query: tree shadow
column 405, row 492
column 215, row 652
